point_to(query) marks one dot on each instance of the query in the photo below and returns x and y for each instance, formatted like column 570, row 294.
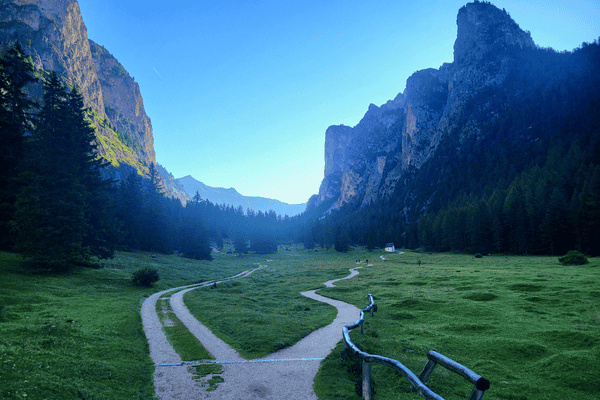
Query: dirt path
column 286, row 374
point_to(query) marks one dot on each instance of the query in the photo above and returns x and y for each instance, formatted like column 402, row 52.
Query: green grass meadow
column 80, row 336
column 265, row 312
column 528, row 324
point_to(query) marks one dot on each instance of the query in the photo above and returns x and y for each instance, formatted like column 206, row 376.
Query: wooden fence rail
column 418, row 383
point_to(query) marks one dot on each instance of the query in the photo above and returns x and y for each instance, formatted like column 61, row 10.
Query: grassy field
column 266, row 312
column 528, row 324
column 80, row 336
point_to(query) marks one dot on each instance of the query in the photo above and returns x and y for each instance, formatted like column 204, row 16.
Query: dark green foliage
column 478, row 255
column 16, row 72
column 145, row 277
column 480, row 194
column 573, row 257
column 241, row 244
column 309, row 240
column 263, row 245
column 152, row 222
column 129, row 210
column 219, row 242
column 62, row 215
column 342, row 243
column 193, row 238
column 60, row 211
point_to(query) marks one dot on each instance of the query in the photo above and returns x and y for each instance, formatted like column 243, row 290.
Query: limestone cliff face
column 123, row 103
column 54, row 34
column 355, row 158
column 366, row 162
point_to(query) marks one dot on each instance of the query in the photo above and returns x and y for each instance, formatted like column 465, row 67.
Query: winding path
column 286, row 374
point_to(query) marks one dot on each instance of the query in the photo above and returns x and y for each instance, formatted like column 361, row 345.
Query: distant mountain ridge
column 231, row 196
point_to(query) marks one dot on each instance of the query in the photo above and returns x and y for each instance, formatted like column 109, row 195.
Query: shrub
column 478, row 255
column 573, row 257
column 145, row 277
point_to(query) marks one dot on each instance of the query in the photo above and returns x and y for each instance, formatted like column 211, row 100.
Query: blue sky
column 240, row 93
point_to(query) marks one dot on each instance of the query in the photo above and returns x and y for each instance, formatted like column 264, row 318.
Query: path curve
column 286, row 374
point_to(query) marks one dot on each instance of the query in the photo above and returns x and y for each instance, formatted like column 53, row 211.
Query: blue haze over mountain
column 230, row 196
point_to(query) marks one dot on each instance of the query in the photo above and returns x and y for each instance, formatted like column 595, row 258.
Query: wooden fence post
column 427, row 371
column 366, row 379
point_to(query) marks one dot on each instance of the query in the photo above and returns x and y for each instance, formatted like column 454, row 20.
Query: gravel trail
column 286, row 374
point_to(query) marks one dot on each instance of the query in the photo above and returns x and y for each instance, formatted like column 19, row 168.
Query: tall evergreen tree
column 193, row 238
column 61, row 213
column 130, row 210
column 309, row 240
column 342, row 242
column 16, row 71
column 241, row 244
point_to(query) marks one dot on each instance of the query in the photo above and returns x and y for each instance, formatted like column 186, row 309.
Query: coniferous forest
column 529, row 184
column 58, row 210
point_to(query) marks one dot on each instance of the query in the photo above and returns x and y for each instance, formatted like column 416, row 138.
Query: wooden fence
column 418, row 383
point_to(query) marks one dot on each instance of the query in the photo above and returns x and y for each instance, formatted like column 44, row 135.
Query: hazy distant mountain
column 232, row 197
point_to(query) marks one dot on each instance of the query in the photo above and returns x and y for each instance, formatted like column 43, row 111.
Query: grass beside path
column 80, row 336
column 528, row 324
column 265, row 312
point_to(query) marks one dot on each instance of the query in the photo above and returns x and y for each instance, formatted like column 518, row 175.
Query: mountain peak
column 219, row 195
column 484, row 29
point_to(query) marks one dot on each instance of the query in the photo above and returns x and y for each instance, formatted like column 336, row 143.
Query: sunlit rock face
column 365, row 162
column 123, row 103
column 54, row 34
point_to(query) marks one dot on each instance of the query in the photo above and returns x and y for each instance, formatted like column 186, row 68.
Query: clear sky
column 240, row 92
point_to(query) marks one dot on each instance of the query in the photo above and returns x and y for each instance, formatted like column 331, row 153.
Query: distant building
column 390, row 248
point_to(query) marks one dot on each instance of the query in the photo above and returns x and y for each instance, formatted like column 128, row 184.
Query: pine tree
column 16, row 71
column 130, row 211
column 193, row 238
column 241, row 244
column 589, row 214
column 158, row 233
column 62, row 213
column 342, row 242
column 309, row 240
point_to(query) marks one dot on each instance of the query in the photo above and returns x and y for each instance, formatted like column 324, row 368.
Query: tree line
column 528, row 184
column 57, row 208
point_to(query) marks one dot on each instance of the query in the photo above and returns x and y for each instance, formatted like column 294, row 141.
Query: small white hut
column 390, row 248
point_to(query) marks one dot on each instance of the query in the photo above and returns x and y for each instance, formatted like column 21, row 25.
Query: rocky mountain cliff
column 366, row 162
column 54, row 34
column 231, row 197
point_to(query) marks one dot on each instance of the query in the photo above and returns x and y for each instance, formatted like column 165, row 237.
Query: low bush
column 573, row 257
column 145, row 277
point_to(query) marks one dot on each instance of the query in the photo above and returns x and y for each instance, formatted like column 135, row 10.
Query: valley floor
column 288, row 373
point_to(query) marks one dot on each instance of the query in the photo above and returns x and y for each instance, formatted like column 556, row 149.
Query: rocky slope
column 54, row 34
column 366, row 162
